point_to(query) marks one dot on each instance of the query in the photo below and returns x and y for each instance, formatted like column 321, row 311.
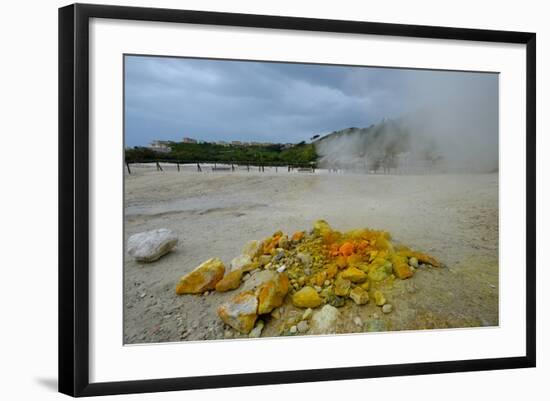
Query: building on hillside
column 237, row 143
column 189, row 140
column 223, row 143
column 160, row 146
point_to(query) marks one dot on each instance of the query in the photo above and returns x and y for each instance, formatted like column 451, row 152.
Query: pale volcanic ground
column 452, row 217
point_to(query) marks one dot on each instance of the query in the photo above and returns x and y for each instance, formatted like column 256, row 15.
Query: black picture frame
column 74, row 198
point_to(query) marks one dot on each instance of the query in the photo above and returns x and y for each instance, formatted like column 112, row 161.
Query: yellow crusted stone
column 202, row 278
column 230, row 281
column 307, row 297
column 240, row 312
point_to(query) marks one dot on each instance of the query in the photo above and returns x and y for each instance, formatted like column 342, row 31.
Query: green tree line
column 272, row 154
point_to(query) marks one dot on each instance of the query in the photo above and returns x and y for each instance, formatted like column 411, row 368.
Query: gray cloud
column 169, row 98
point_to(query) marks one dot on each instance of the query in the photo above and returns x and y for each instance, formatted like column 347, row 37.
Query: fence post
column 159, row 167
column 178, row 166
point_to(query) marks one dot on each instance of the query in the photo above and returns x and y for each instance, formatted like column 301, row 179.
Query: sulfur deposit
column 310, row 270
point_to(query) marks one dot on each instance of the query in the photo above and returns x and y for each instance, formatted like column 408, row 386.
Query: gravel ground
column 452, row 217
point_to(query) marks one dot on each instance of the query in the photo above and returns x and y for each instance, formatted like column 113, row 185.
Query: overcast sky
column 172, row 98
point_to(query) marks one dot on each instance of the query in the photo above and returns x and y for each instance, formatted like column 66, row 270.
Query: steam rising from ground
column 449, row 124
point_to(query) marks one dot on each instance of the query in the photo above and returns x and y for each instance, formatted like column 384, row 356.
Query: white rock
column 307, row 314
column 357, row 320
column 258, row 278
column 303, row 326
column 305, row 258
column 257, row 330
column 149, row 246
column 293, row 329
column 251, row 248
column 324, row 321
column 281, row 268
column 240, row 262
column 387, row 308
column 413, row 262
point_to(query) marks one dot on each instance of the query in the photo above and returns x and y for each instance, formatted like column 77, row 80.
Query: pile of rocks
column 320, row 268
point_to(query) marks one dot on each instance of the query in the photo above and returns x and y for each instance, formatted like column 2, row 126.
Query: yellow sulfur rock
column 271, row 294
column 342, row 287
column 421, row 257
column 359, row 296
column 203, row 278
column 230, row 281
column 240, row 312
column 331, row 270
column 379, row 269
column 354, row 275
column 319, row 278
column 401, row 267
column 341, row 262
column 307, row 297
column 365, row 285
column 252, row 248
column 379, row 298
column 321, row 227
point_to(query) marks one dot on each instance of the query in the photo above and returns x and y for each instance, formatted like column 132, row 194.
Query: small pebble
column 307, row 314
column 246, row 276
column 317, row 288
column 293, row 330
column 387, row 308
column 413, row 262
column 327, row 283
column 376, row 325
column 206, row 293
column 357, row 320
column 257, row 331
column 281, row 268
column 375, row 315
column 303, row 326
column 143, row 295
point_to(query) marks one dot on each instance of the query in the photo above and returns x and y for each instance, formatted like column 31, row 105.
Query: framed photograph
column 252, row 199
